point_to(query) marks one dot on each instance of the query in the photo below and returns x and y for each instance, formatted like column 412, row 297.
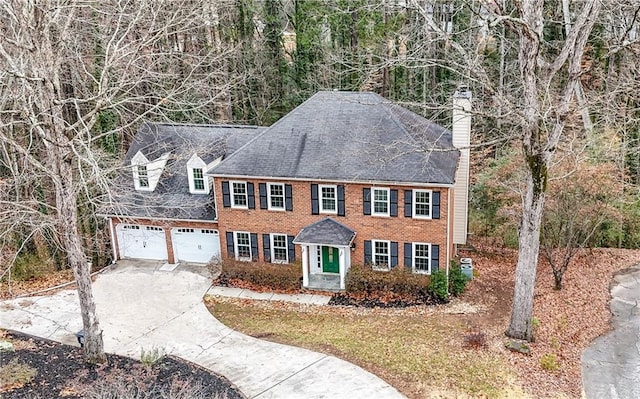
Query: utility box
column 466, row 266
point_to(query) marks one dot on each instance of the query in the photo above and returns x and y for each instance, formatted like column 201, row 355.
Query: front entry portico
column 326, row 254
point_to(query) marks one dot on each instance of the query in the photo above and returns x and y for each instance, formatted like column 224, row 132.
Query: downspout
column 449, row 221
column 113, row 240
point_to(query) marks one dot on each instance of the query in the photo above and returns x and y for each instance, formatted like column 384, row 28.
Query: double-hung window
column 328, row 199
column 198, row 179
column 275, row 194
column 422, row 203
column 279, row 250
column 243, row 245
column 421, row 258
column 381, row 255
column 143, row 176
column 239, row 194
column 380, row 200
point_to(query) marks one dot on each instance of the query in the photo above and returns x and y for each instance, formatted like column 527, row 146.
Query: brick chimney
column 461, row 136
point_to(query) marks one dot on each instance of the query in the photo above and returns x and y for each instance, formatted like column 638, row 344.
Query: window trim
column 284, row 199
column 194, row 179
column 139, row 176
column 373, row 201
column 236, row 246
column 413, row 258
column 233, row 194
column 415, row 203
column 321, row 198
column 273, row 252
column 375, row 266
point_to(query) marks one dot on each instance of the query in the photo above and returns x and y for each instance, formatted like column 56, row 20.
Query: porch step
column 324, row 282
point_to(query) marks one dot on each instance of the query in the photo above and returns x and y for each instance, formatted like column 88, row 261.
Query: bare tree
column 62, row 66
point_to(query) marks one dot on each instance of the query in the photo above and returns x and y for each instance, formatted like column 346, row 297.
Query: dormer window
column 143, row 176
column 198, row 179
column 198, row 182
column 146, row 173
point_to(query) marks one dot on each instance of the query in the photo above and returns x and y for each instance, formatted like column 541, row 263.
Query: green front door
column 330, row 260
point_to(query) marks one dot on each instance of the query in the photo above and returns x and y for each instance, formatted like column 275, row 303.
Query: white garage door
column 141, row 242
column 195, row 245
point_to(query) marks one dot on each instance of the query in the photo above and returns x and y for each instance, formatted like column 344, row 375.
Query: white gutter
column 125, row 218
column 310, row 180
column 112, row 233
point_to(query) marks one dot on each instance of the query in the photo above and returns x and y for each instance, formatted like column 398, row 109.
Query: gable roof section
column 348, row 136
column 325, row 232
column 171, row 198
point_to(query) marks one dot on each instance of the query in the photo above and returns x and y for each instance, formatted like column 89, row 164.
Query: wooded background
column 555, row 88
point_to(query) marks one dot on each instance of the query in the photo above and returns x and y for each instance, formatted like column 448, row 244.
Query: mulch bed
column 377, row 300
column 62, row 372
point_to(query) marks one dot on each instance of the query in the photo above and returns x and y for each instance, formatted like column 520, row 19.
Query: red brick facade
column 400, row 229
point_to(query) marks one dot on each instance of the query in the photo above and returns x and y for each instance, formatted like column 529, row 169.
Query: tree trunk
column 528, row 248
column 66, row 198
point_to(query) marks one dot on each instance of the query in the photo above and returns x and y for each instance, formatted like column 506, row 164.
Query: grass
column 417, row 353
column 15, row 374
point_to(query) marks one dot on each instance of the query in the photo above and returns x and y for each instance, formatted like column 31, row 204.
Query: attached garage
column 141, row 242
column 195, row 245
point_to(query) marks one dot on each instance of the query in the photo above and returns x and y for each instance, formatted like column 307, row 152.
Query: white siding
column 461, row 131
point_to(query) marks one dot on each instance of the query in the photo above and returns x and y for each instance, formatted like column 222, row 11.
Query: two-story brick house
column 343, row 178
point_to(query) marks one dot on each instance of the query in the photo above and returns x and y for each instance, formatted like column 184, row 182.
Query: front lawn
column 418, row 350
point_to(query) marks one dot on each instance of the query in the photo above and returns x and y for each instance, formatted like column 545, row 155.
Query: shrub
column 549, row 362
column 475, row 340
column 457, row 279
column 28, row 266
column 15, row 375
column 363, row 279
column 275, row 276
column 151, row 357
column 438, row 286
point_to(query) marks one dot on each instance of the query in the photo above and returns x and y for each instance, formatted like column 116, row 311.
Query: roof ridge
column 276, row 123
column 225, row 125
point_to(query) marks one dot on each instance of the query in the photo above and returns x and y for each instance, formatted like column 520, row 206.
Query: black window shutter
column 408, row 197
column 435, row 206
column 291, row 248
column 254, row 246
column 226, row 196
column 366, row 200
column 230, row 249
column 251, row 199
column 266, row 246
column 315, row 207
column 341, row 201
column 408, row 255
column 262, row 189
column 394, row 254
column 288, row 197
column 435, row 258
column 367, row 252
column 393, row 209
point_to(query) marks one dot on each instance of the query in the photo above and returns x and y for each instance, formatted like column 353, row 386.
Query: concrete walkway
column 146, row 307
column 611, row 365
column 232, row 292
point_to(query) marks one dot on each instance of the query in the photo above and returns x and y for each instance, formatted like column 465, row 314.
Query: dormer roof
column 171, row 198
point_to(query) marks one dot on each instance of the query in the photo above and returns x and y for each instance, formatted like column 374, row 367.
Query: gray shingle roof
column 326, row 232
column 171, row 198
column 348, row 136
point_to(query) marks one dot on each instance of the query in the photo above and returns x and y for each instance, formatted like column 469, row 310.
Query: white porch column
column 305, row 265
column 342, row 263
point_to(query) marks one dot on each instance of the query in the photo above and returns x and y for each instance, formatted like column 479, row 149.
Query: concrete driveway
column 140, row 306
column 611, row 365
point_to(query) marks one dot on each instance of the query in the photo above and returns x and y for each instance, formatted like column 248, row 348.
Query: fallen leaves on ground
column 567, row 322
